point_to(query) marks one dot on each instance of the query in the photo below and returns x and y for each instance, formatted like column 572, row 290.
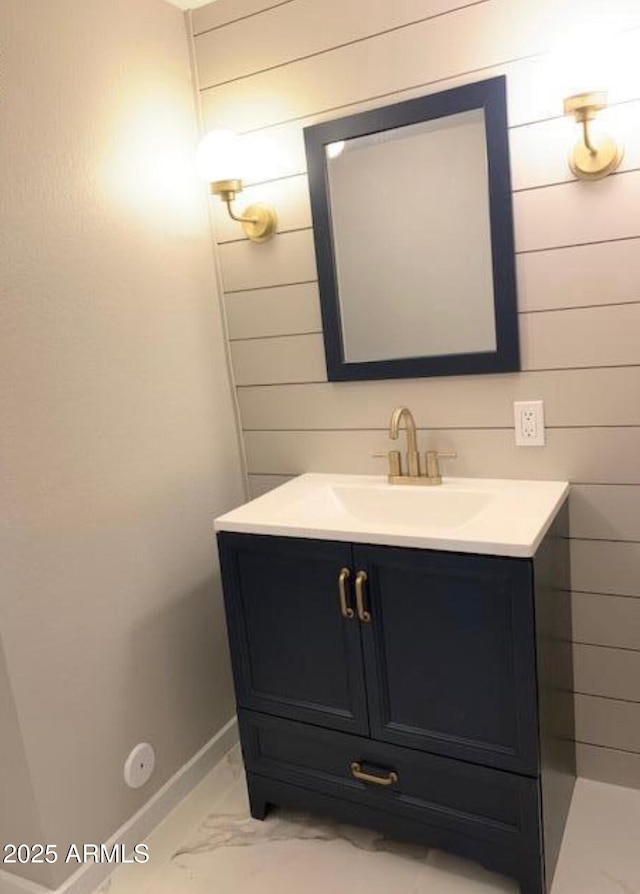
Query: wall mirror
column 413, row 232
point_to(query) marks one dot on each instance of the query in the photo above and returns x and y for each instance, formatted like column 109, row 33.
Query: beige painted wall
column 118, row 428
column 18, row 811
column 268, row 70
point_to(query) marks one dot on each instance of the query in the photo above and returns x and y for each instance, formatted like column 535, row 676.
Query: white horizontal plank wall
column 268, row 69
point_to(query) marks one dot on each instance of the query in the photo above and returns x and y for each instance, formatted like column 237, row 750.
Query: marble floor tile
column 601, row 845
column 212, row 846
column 225, row 780
column 293, row 852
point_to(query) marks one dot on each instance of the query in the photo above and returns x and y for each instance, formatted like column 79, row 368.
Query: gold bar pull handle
column 363, row 614
column 358, row 773
column 345, row 610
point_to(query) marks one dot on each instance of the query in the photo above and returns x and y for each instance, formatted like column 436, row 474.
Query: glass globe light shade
column 218, row 156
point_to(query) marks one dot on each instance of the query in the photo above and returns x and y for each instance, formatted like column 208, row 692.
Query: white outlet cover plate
column 139, row 765
column 529, row 423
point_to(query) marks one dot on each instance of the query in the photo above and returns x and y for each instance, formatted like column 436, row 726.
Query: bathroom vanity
column 402, row 660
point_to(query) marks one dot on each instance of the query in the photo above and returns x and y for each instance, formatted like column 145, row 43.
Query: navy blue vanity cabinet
column 407, row 690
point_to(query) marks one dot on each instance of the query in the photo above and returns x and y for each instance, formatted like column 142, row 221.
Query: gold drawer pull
column 343, row 577
column 363, row 614
column 358, row 773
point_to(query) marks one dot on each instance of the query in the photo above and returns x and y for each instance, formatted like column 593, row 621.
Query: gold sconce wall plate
column 259, row 222
column 589, row 165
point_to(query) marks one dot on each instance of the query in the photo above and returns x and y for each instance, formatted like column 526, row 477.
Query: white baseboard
column 88, row 877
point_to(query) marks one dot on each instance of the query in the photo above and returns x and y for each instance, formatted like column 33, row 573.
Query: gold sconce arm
column 235, row 216
column 586, row 136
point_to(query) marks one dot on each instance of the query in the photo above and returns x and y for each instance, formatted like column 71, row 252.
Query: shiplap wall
column 267, row 69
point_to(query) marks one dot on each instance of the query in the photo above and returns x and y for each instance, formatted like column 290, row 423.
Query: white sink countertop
column 473, row 515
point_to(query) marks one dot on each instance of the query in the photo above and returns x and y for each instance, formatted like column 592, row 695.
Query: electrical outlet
column 529, row 421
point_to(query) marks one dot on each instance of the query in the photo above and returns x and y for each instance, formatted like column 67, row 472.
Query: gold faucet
column 413, row 457
column 413, row 475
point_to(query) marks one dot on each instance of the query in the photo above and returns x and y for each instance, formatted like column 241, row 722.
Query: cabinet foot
column 531, row 886
column 257, row 805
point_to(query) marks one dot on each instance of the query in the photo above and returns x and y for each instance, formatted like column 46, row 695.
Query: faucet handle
column 433, row 467
column 395, row 462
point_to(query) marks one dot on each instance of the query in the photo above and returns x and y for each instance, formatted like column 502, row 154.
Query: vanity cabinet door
column 294, row 653
column 450, row 655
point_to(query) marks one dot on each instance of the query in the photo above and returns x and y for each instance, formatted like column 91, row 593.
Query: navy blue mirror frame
column 489, row 95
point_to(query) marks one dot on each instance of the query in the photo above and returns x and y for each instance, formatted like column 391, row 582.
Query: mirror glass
column 414, row 239
column 433, row 305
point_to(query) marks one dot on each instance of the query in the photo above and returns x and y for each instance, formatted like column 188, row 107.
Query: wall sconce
column 589, row 159
column 219, row 161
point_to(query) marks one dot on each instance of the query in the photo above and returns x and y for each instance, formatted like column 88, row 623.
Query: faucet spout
column 413, row 457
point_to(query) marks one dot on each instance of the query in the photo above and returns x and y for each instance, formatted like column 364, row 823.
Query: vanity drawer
column 465, row 798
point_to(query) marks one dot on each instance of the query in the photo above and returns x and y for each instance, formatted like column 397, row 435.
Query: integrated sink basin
column 489, row 516
column 411, row 507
